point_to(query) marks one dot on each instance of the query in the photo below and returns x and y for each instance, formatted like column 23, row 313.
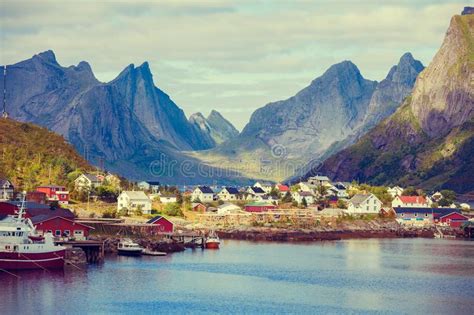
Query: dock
column 94, row 250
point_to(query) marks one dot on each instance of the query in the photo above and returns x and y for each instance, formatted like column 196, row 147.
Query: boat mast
column 21, row 212
column 4, row 112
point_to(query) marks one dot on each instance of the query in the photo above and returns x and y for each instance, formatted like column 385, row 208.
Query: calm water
column 355, row 276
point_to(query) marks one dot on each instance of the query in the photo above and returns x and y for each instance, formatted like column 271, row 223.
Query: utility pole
column 4, row 112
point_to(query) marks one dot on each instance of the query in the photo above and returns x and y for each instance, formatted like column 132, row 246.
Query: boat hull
column 129, row 252
column 212, row 245
column 26, row 261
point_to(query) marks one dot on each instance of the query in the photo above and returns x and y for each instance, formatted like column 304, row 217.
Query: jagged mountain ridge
column 215, row 128
column 430, row 139
column 128, row 122
column 328, row 115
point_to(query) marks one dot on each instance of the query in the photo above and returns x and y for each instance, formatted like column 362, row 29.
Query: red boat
column 212, row 241
column 21, row 248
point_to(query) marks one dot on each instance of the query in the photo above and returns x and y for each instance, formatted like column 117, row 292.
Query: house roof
column 157, row 218
column 43, row 218
column 153, row 183
column 282, row 187
column 318, row 177
column 260, row 204
column 413, row 199
column 50, row 186
column 91, row 177
column 136, row 195
column 195, row 204
column 437, row 212
column 4, row 181
column 232, row 190
column 205, row 189
column 35, row 209
column 359, row 198
column 257, row 190
column 167, row 195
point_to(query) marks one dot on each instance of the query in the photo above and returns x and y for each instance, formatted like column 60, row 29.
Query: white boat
column 127, row 247
column 212, row 241
column 22, row 248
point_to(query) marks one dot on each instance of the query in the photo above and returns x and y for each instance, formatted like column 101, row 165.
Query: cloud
column 226, row 54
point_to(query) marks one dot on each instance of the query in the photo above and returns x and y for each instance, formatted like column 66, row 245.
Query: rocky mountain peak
column 47, row 56
column 443, row 96
column 344, row 69
column 406, row 71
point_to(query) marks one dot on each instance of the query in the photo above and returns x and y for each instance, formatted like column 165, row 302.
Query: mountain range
column 429, row 140
column 128, row 123
column 323, row 118
column 415, row 127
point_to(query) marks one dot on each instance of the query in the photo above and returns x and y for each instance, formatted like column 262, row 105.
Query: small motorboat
column 127, row 247
column 152, row 253
column 212, row 241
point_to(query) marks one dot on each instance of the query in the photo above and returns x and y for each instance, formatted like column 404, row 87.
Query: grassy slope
column 30, row 155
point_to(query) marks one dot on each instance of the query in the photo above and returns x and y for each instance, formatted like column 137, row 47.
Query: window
column 49, row 231
column 403, row 214
column 77, row 232
column 67, row 232
column 416, row 214
column 426, row 214
column 57, row 232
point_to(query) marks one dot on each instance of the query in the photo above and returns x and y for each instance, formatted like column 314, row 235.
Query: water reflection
column 401, row 276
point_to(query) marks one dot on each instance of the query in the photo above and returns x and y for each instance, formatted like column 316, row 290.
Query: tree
column 410, row 191
column 173, row 209
column 274, row 193
column 123, row 212
column 295, row 188
column 341, row 204
column 287, row 197
column 448, row 195
column 138, row 210
column 179, row 197
column 304, row 203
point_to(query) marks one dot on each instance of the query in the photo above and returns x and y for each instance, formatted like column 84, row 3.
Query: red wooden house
column 36, row 196
column 55, row 193
column 61, row 227
column 453, row 219
column 163, row 224
column 199, row 207
column 259, row 207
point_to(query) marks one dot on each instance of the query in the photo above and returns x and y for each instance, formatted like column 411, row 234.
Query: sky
column 231, row 56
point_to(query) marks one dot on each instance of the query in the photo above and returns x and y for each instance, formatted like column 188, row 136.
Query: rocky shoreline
column 373, row 229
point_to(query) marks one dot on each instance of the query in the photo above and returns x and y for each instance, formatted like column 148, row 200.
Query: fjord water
column 416, row 276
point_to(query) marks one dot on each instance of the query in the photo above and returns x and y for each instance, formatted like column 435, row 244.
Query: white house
column 87, row 182
column 395, row 191
column 149, row 185
column 228, row 194
column 6, row 189
column 304, row 186
column 319, row 180
column 364, row 203
column 133, row 200
column 298, row 196
column 410, row 202
column 167, row 198
column 203, row 194
column 228, row 208
column 266, row 187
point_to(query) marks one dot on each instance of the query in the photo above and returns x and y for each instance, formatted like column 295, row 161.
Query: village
column 98, row 204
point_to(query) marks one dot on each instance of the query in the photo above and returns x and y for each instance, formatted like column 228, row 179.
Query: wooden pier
column 189, row 240
column 94, row 250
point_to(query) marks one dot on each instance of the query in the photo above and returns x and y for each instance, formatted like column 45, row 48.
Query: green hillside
column 31, row 155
